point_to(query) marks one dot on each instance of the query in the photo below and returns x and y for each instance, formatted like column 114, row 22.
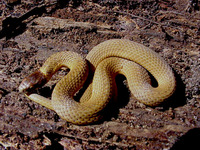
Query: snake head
column 33, row 81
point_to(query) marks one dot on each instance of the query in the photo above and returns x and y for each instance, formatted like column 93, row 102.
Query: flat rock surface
column 30, row 31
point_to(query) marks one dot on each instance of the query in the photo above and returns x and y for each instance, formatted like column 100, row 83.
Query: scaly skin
column 106, row 60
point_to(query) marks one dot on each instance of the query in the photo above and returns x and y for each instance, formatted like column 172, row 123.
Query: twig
column 125, row 13
column 162, row 24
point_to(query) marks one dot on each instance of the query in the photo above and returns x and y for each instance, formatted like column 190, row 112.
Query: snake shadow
column 178, row 98
column 123, row 97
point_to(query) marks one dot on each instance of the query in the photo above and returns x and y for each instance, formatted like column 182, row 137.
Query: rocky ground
column 32, row 30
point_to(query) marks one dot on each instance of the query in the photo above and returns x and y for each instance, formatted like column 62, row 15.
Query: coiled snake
column 112, row 57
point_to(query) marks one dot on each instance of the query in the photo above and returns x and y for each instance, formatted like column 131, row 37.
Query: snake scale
column 106, row 60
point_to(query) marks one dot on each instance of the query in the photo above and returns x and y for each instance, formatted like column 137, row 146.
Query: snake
column 105, row 61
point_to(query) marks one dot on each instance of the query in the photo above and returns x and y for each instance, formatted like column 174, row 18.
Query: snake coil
column 112, row 57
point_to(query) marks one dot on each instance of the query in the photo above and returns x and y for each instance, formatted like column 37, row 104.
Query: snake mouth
column 32, row 82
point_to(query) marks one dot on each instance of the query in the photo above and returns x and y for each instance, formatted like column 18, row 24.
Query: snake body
column 106, row 60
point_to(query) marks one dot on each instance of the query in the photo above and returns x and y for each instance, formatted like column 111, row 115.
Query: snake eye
column 33, row 81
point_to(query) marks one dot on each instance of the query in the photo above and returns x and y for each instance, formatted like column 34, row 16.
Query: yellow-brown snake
column 106, row 60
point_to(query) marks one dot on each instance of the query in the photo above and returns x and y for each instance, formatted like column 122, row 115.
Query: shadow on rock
column 190, row 140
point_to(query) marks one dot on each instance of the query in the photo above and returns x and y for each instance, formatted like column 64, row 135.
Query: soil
column 32, row 30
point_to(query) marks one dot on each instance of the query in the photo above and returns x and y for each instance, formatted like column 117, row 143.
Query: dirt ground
column 32, row 30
